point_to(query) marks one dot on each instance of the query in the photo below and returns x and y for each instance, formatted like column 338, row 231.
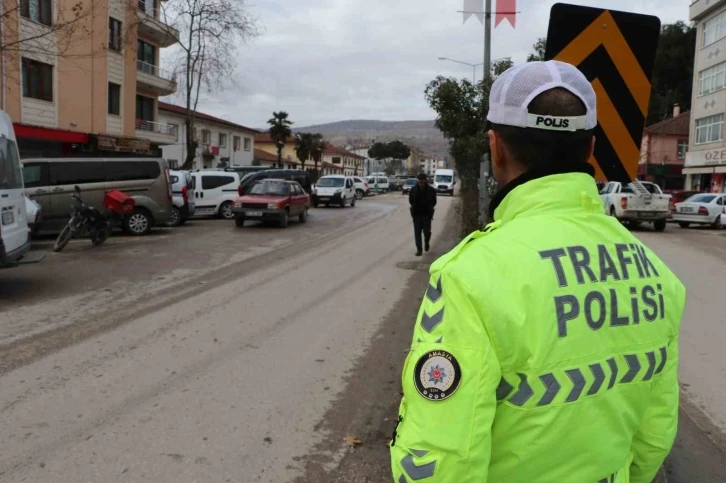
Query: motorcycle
column 88, row 222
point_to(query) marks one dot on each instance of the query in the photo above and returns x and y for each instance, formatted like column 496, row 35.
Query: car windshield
column 701, row 198
column 330, row 183
column 441, row 178
column 271, row 188
column 410, row 182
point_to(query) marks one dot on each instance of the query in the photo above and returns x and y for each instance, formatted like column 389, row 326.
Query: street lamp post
column 473, row 66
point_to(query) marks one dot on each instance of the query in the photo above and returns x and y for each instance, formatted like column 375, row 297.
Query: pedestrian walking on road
column 546, row 347
column 422, row 199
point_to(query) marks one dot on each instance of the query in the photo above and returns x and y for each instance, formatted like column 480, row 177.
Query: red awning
column 48, row 134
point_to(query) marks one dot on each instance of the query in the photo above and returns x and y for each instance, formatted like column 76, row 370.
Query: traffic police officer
column 546, row 347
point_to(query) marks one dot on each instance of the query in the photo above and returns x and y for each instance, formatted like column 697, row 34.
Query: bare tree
column 207, row 33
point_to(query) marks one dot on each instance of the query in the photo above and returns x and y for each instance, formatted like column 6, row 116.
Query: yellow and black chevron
column 616, row 52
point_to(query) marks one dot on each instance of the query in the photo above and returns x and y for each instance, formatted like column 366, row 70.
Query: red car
column 272, row 200
column 678, row 196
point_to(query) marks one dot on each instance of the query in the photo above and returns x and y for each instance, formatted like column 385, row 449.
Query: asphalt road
column 204, row 353
column 698, row 257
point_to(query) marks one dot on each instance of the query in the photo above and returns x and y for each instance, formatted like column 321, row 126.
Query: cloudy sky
column 332, row 60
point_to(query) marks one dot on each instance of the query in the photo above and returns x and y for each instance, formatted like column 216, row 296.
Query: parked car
column 378, row 183
column 50, row 182
column 636, row 202
column 394, row 184
column 34, row 214
column 361, row 188
column 272, row 199
column 701, row 209
column 298, row 175
column 182, row 192
column 245, row 170
column 678, row 196
column 444, row 181
column 215, row 192
column 334, row 189
column 14, row 236
column 407, row 185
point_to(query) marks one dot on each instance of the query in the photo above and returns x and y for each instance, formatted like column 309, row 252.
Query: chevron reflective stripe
column 434, row 293
column 429, row 322
column 417, row 472
column 568, row 385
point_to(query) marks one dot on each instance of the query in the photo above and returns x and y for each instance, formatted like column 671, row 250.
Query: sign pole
column 487, row 40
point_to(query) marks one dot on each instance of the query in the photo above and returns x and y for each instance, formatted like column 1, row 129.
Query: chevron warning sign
column 616, row 51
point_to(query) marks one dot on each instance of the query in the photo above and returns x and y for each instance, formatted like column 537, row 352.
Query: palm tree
column 303, row 147
column 280, row 131
column 318, row 147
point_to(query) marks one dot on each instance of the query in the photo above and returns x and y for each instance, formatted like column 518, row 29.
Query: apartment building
column 705, row 164
column 221, row 143
column 663, row 151
column 92, row 91
column 350, row 164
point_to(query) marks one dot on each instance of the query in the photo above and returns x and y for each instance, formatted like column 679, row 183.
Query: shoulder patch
column 437, row 375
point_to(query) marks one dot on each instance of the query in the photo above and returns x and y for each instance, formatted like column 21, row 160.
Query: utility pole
column 487, row 40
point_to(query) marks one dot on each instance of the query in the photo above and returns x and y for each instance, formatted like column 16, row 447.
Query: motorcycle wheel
column 100, row 237
column 65, row 236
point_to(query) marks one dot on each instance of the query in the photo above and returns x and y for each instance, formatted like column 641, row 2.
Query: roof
column 675, row 126
column 331, row 149
column 264, row 155
column 200, row 115
column 264, row 137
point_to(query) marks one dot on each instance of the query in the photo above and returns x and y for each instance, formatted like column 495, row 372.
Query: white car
column 34, row 214
column 334, row 190
column 444, row 181
column 701, row 209
column 379, row 184
column 183, row 201
column 361, row 188
column 215, row 192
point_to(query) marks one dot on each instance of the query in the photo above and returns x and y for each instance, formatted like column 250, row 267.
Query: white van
column 444, row 181
column 215, row 192
column 379, row 183
column 14, row 234
column 334, row 190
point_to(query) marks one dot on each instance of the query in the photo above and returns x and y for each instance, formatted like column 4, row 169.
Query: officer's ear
column 496, row 147
column 592, row 148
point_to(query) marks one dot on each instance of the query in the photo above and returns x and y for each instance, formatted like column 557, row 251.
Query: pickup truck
column 637, row 202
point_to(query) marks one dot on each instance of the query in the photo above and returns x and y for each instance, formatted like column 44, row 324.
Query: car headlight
column 338, row 191
column 272, row 206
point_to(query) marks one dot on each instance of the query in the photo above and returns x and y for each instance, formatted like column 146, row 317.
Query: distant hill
column 421, row 134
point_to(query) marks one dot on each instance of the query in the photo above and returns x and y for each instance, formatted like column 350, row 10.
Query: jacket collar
column 549, row 191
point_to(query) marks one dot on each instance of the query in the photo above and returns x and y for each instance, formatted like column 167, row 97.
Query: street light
column 473, row 66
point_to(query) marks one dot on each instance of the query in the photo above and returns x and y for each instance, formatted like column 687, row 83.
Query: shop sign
column 122, row 144
column 706, row 157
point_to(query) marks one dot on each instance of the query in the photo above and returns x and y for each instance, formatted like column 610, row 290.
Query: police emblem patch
column 437, row 375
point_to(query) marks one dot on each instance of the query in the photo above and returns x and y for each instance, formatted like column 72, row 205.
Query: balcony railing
column 142, row 66
column 155, row 127
column 148, row 9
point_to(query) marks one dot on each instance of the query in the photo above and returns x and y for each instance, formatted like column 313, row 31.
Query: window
column 37, row 80
column 222, row 140
column 248, row 144
column 235, row 143
column 213, row 182
column 206, row 136
column 175, row 127
column 146, row 53
column 37, row 11
column 131, row 170
column 709, row 129
column 336, row 160
column 712, row 79
column 114, row 99
column 114, row 34
column 11, row 175
column 714, row 29
column 144, row 108
column 73, row 173
column 35, row 175
column 682, row 149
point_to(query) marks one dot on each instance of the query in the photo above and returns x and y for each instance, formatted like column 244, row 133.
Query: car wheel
column 176, row 218
column 717, row 222
column 352, row 203
column 342, row 201
column 684, row 224
column 239, row 221
column 225, row 210
column 359, row 194
column 284, row 219
column 304, row 216
column 659, row 225
column 138, row 223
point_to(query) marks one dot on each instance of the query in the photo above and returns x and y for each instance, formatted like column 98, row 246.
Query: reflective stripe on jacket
column 545, row 350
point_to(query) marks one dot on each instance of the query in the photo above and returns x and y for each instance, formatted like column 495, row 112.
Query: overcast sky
column 333, row 60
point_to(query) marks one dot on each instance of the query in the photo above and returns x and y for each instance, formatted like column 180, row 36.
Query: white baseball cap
column 514, row 90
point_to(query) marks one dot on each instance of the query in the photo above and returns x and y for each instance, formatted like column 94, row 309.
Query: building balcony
column 700, row 8
column 153, row 27
column 151, row 78
column 156, row 132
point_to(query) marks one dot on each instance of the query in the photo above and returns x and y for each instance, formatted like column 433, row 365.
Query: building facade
column 264, row 142
column 350, row 164
column 705, row 165
column 663, row 151
column 220, row 143
column 92, row 86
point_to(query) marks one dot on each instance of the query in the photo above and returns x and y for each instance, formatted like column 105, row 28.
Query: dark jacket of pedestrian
column 422, row 200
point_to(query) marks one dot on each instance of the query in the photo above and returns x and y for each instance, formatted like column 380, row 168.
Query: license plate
column 647, row 214
column 253, row 213
column 324, row 198
column 8, row 218
column 686, row 210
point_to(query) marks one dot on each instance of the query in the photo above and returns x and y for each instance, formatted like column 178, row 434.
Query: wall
column 661, row 149
column 177, row 151
column 288, row 152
